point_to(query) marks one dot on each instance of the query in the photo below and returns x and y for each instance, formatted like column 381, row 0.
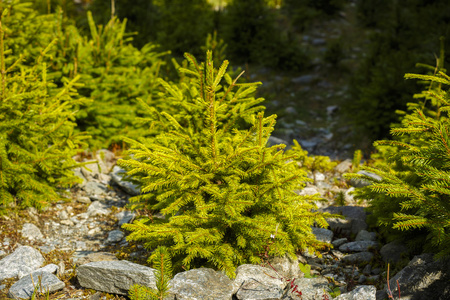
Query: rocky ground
column 80, row 240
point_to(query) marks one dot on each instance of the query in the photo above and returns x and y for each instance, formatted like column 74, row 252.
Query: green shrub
column 114, row 73
column 26, row 32
column 414, row 192
column 112, row 70
column 37, row 138
column 223, row 193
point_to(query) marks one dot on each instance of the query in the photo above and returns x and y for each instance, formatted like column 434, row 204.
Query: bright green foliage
column 163, row 265
column 306, row 269
column 26, row 32
column 216, row 46
column 414, row 192
column 112, row 70
column 356, row 161
column 222, row 191
column 114, row 73
column 37, row 138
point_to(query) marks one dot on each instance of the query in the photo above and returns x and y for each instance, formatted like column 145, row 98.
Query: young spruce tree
column 413, row 194
column 224, row 194
column 37, row 139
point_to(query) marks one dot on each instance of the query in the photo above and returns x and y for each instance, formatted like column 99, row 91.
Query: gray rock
column 24, row 288
column 114, row 276
column 90, row 169
column 361, row 292
column 310, row 288
column 50, row 268
column 31, row 232
column 393, row 252
column 286, row 266
column 337, row 253
column 115, row 236
column 342, row 225
column 254, row 290
column 322, row 234
column 95, row 188
column 352, row 212
column 63, row 215
column 98, row 208
column 338, row 242
column 364, row 235
column 23, row 257
column 318, row 41
column 359, row 246
column 84, row 258
column 355, row 215
column 348, row 195
column 125, row 217
column 257, row 278
column 304, row 79
column 290, row 110
column 129, row 187
column 358, row 225
column 82, row 218
column 344, row 166
column 332, row 109
column 359, row 257
column 318, row 176
column 367, row 269
column 422, row 279
column 84, row 199
column 77, row 172
column 203, row 283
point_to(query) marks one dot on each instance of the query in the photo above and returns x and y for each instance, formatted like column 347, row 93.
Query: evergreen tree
column 37, row 138
column 414, row 192
column 114, row 73
column 223, row 192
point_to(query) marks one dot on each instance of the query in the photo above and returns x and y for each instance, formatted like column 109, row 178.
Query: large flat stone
column 24, row 257
column 359, row 257
column 362, row 292
column 423, row 279
column 358, row 246
column 115, row 276
column 201, row 284
column 310, row 288
column 43, row 282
